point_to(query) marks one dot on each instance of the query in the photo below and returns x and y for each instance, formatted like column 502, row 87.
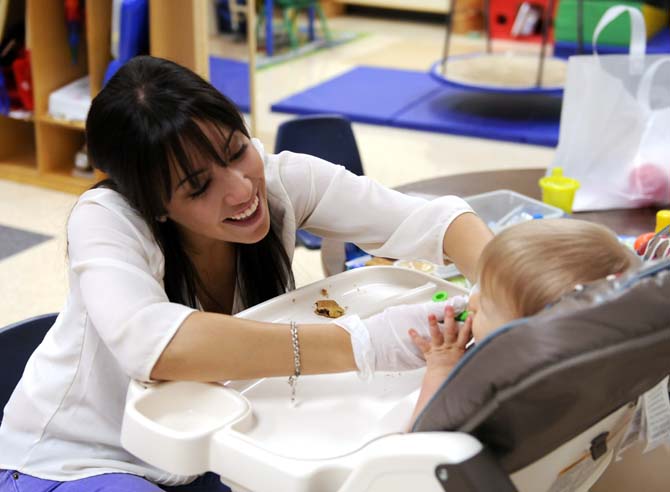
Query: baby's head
column 530, row 265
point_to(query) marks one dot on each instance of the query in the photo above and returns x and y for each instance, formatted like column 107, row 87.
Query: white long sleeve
column 119, row 272
column 330, row 201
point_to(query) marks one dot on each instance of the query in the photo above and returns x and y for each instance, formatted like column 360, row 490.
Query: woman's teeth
column 248, row 212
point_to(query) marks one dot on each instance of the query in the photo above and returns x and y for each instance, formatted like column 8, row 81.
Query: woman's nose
column 236, row 185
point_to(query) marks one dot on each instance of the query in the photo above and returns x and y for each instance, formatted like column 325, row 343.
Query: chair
column 17, row 343
column 542, row 404
column 329, row 137
column 290, row 10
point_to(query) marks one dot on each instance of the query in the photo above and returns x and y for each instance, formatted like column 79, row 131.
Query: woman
column 196, row 223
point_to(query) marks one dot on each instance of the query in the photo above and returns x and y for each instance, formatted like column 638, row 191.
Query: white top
column 63, row 421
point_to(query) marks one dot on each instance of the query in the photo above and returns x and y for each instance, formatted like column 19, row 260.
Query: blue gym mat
column 412, row 99
column 231, row 77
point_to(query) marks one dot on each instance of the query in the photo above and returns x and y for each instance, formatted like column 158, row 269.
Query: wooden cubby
column 41, row 149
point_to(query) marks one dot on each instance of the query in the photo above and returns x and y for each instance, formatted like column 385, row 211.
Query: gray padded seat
column 538, row 382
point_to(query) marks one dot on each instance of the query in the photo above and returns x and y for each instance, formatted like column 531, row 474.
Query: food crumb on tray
column 328, row 308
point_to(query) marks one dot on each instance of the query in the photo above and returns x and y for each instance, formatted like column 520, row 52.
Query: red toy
column 511, row 19
column 23, row 78
column 641, row 242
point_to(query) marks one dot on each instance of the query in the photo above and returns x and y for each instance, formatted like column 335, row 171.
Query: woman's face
column 488, row 314
column 224, row 203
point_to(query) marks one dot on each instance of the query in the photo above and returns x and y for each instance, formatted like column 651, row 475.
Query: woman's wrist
column 464, row 241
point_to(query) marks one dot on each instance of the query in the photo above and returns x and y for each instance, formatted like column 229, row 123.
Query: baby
column 521, row 271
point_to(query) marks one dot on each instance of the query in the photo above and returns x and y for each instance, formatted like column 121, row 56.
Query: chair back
column 538, row 382
column 17, row 343
column 328, row 137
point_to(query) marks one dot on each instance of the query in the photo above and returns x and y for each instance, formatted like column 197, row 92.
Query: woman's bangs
column 198, row 146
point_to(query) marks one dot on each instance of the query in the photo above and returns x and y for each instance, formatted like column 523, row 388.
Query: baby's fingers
column 420, row 342
column 435, row 333
column 465, row 332
column 450, row 328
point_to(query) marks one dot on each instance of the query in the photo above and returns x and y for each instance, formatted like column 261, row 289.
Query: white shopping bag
column 614, row 136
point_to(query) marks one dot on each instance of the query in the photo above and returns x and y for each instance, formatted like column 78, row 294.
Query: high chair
column 543, row 403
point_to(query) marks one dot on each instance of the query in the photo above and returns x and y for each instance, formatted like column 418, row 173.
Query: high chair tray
column 182, row 427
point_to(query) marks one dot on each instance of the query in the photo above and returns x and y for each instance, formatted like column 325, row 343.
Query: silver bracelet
column 295, row 343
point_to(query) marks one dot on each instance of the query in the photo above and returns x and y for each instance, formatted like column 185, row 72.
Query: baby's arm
column 442, row 353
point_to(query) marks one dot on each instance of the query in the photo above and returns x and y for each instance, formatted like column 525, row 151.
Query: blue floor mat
column 231, row 78
column 527, row 119
column 412, row 99
column 366, row 94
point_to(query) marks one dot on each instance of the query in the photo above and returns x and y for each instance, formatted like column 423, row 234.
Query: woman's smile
column 249, row 216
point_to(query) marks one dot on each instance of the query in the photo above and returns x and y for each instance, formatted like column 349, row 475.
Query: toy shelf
column 432, row 6
column 40, row 150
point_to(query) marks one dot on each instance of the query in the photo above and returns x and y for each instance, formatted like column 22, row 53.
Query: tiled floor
column 34, row 281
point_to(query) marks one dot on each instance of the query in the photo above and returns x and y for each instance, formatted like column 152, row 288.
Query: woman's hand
column 443, row 350
column 381, row 342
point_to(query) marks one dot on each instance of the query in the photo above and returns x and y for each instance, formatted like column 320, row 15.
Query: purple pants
column 12, row 481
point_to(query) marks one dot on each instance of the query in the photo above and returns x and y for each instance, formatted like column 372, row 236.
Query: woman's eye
column 239, row 153
column 200, row 191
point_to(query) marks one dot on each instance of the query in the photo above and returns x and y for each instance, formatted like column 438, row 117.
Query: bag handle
column 638, row 34
column 646, row 82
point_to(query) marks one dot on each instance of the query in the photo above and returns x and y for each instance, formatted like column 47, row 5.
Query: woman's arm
column 464, row 241
column 217, row 347
column 332, row 202
column 116, row 267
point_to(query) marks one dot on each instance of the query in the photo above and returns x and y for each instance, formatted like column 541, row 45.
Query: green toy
column 440, row 296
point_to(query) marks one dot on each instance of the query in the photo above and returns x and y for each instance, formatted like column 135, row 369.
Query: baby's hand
column 443, row 350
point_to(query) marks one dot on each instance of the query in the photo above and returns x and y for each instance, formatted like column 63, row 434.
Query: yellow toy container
column 662, row 220
column 559, row 190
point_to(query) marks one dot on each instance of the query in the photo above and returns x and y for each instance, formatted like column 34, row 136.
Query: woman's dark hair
column 150, row 116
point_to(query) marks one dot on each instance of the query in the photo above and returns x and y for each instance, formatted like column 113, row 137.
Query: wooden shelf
column 73, row 125
column 40, row 150
column 63, row 180
column 60, row 181
column 431, row 6
column 17, row 144
column 28, row 117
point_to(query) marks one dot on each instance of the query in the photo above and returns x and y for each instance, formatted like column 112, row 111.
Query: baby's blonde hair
column 532, row 264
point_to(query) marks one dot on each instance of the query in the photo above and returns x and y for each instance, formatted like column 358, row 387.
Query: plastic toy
column 641, row 242
column 73, row 17
column 662, row 222
column 651, row 183
column 559, row 190
column 440, row 296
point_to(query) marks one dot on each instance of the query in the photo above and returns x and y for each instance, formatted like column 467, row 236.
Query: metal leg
column 324, row 23
column 289, row 15
column 269, row 42
column 310, row 22
column 449, row 22
column 487, row 25
column 546, row 21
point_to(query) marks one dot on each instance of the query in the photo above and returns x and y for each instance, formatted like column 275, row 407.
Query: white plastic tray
column 171, row 425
